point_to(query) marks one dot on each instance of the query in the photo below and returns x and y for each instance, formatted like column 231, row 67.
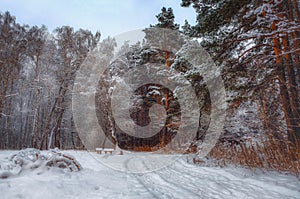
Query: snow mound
column 35, row 160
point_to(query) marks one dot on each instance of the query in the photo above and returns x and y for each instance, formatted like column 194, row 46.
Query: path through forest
column 178, row 180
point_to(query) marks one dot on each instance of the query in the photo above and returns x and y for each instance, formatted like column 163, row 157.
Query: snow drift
column 29, row 160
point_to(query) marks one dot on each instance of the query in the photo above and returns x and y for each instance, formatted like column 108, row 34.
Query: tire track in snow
column 160, row 182
column 224, row 184
column 126, row 165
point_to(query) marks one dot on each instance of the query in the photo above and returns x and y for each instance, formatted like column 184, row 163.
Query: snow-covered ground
column 178, row 180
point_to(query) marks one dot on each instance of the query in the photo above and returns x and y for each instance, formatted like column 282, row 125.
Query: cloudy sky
column 111, row 17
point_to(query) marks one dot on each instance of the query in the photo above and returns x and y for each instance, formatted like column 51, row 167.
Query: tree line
column 255, row 44
column 37, row 73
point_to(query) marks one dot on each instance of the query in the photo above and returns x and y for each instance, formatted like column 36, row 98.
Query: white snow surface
column 178, row 180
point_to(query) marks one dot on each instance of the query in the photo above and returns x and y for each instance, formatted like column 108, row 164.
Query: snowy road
column 179, row 180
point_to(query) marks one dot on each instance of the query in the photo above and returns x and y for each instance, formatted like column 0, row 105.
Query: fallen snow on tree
column 33, row 160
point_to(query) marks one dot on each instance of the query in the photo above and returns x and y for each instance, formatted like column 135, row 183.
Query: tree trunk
column 284, row 94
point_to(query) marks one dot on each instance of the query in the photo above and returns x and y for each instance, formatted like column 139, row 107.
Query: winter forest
column 255, row 45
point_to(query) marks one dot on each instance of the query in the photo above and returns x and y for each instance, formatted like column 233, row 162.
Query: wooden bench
column 100, row 150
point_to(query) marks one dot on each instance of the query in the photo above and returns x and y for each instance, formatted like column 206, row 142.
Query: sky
column 110, row 17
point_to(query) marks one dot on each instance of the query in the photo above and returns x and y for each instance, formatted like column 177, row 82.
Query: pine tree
column 258, row 40
column 166, row 19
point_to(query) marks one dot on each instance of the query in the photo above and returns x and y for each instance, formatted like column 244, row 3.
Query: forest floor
column 107, row 176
